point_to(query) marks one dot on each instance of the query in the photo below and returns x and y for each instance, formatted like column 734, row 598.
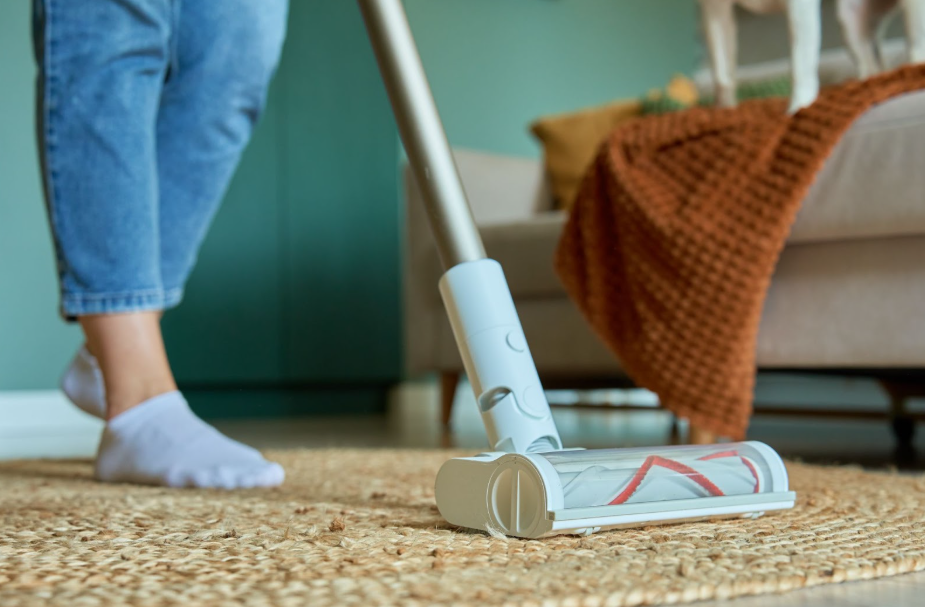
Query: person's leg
column 225, row 55
column 98, row 101
column 130, row 352
column 152, row 436
column 83, row 382
column 101, row 72
column 102, row 66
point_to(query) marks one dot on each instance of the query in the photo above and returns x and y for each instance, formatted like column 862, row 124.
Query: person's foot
column 83, row 384
column 162, row 442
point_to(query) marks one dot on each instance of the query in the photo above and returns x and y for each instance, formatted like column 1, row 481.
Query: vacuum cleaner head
column 533, row 495
column 530, row 487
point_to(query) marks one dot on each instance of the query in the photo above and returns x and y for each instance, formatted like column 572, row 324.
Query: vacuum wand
column 422, row 133
column 485, row 323
column 529, row 486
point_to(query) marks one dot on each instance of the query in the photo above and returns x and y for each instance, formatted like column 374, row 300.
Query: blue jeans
column 144, row 108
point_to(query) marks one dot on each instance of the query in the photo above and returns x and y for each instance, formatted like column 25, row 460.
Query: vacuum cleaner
column 528, row 485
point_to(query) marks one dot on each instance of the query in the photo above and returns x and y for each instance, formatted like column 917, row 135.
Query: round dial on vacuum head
column 516, row 497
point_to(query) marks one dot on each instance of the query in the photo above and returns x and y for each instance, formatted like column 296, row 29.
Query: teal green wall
column 298, row 282
column 496, row 65
column 34, row 344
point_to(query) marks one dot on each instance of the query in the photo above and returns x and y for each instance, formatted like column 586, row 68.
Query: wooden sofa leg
column 700, row 436
column 902, row 423
column 674, row 435
column 448, row 382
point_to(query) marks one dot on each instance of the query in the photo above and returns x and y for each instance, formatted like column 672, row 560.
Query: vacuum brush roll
column 578, row 491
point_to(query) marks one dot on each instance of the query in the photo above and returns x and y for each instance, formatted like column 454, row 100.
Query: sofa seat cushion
column 525, row 250
column 873, row 184
column 839, row 305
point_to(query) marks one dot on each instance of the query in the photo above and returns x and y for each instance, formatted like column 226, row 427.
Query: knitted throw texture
column 677, row 227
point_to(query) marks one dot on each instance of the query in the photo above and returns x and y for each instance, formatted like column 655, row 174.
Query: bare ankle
column 121, row 400
column 130, row 351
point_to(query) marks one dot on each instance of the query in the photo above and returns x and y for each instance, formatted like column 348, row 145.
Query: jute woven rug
column 360, row 527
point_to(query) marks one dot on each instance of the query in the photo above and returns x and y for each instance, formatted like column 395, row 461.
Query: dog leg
column 859, row 25
column 915, row 29
column 719, row 30
column 805, row 45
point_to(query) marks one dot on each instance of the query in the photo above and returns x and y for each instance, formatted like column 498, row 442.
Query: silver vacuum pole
column 478, row 301
column 422, row 132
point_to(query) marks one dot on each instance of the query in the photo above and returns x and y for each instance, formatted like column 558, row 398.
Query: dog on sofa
column 861, row 21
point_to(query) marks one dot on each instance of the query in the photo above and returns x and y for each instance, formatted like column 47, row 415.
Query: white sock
column 162, row 442
column 83, row 384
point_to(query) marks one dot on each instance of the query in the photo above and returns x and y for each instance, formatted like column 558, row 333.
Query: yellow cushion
column 570, row 142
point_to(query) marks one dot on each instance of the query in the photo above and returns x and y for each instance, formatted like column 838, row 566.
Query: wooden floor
column 412, row 421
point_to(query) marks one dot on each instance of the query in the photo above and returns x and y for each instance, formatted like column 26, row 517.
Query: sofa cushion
column 873, row 183
column 854, row 303
column 500, row 189
column 850, row 304
column 525, row 250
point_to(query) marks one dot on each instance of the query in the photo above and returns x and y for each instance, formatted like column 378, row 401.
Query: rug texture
column 676, row 230
column 356, row 527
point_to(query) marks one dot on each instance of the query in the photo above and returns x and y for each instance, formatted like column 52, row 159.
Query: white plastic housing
column 577, row 492
column 497, row 360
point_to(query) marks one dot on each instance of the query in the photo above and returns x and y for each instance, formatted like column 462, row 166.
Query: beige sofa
column 848, row 293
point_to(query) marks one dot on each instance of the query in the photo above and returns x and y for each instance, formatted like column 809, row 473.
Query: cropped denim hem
column 144, row 108
column 83, row 304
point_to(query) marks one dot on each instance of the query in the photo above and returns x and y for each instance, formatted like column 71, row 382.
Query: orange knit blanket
column 676, row 230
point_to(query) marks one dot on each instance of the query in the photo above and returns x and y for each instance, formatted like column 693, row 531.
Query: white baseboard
column 43, row 424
